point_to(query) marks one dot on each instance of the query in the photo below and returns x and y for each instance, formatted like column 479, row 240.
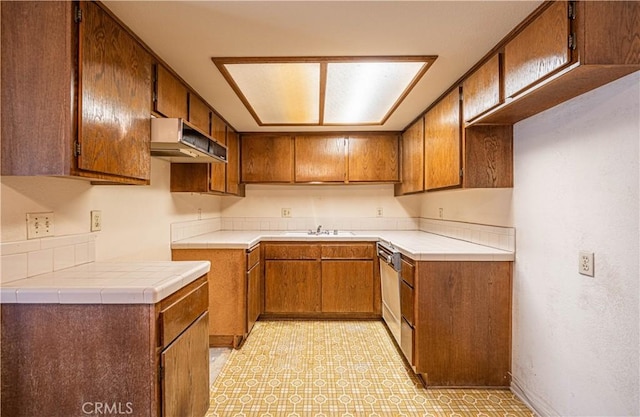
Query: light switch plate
column 585, row 263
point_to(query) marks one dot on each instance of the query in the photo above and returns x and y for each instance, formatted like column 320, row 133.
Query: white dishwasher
column 390, row 264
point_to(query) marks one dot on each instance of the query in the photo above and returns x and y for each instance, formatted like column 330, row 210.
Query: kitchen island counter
column 105, row 283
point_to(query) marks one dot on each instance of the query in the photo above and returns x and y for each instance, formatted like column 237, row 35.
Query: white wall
column 321, row 201
column 135, row 219
column 484, row 206
column 576, row 338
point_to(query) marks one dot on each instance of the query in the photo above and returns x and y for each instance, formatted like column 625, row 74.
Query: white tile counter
column 417, row 245
column 105, row 283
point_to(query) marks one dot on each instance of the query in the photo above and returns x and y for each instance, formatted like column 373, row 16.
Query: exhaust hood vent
column 176, row 141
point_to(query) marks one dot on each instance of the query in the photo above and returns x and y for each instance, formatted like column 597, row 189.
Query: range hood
column 176, row 141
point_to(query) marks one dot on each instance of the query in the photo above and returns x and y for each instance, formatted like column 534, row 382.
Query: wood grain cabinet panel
column 266, row 159
column 463, row 323
column 233, row 164
column 292, row 286
column 443, row 143
column 227, row 292
column 347, row 286
column 186, row 385
column 412, row 160
column 218, row 181
column 541, row 71
column 255, row 296
column 320, row 159
column 171, row 95
column 110, row 353
column 373, row 158
column 482, row 89
column 538, row 51
column 488, row 156
column 199, row 114
column 99, row 78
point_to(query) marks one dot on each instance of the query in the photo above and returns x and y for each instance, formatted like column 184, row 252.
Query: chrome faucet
column 318, row 229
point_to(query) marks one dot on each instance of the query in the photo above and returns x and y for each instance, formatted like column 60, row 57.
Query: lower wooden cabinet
column 462, row 328
column 235, row 291
column 321, row 280
column 292, row 286
column 146, row 360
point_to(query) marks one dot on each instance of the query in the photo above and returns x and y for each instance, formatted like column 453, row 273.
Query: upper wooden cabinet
column 99, row 127
column 412, row 159
column 320, row 158
column 373, row 158
column 214, row 178
column 443, row 143
column 266, row 158
column 171, row 95
column 565, row 49
column 199, row 114
column 540, row 49
column 482, row 89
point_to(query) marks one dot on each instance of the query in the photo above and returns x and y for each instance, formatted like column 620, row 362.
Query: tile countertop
column 419, row 246
column 105, row 283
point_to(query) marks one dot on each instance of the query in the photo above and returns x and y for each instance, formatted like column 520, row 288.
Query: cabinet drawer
column 348, row 251
column 253, row 257
column 407, row 272
column 181, row 309
column 406, row 302
column 295, row 251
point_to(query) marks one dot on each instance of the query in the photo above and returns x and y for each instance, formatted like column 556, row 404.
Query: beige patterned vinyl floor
column 337, row 368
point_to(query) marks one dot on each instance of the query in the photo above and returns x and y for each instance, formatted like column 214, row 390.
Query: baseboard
column 538, row 405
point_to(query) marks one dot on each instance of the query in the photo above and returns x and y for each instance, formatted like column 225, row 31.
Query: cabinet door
column 199, row 114
column 412, row 163
column 539, row 50
column 266, row 159
column 481, row 90
column 292, row 286
column 218, row 181
column 442, row 143
column 114, row 128
column 254, row 296
column 233, row 164
column 171, row 94
column 320, row 158
column 373, row 158
column 347, row 286
column 185, row 382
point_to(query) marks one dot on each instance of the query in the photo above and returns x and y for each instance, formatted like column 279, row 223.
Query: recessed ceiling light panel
column 323, row 91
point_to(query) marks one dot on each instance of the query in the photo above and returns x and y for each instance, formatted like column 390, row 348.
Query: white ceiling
column 186, row 34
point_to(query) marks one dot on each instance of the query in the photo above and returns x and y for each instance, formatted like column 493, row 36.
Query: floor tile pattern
column 337, row 368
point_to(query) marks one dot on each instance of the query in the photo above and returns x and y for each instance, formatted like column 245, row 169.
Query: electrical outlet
column 286, row 212
column 39, row 225
column 96, row 220
column 379, row 212
column 441, row 212
column 585, row 263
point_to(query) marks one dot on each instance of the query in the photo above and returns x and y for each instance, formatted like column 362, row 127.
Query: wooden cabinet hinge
column 461, row 172
column 572, row 41
column 78, row 15
column 572, row 10
column 77, row 148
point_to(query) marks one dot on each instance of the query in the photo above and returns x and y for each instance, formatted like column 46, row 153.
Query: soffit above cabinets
column 186, row 34
column 323, row 91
